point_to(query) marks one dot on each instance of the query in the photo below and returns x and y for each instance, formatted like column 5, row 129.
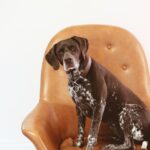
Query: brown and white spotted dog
column 99, row 95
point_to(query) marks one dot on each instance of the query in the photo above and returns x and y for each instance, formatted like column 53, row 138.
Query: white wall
column 26, row 27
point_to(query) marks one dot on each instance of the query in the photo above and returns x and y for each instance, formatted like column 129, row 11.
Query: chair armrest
column 49, row 124
column 41, row 128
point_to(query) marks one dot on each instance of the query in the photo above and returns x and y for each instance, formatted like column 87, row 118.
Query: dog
column 99, row 95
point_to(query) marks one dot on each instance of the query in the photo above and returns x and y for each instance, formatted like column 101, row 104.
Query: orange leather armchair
column 53, row 123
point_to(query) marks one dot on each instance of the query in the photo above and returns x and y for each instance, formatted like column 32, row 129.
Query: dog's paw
column 89, row 147
column 109, row 147
column 78, row 143
column 91, row 142
column 118, row 147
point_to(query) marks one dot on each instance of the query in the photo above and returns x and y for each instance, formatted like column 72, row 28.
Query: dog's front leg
column 96, row 121
column 97, row 116
column 81, row 125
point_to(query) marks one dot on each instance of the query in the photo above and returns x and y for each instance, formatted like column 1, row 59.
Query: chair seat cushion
column 67, row 145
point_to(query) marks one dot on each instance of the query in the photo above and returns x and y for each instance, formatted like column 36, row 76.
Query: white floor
column 17, row 146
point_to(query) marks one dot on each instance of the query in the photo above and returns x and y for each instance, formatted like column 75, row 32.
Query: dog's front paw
column 91, row 142
column 109, row 147
column 78, row 143
column 89, row 147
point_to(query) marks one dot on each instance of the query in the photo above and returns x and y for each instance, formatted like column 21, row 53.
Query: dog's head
column 71, row 53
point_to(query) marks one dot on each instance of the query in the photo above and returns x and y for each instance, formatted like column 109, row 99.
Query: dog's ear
column 52, row 58
column 83, row 44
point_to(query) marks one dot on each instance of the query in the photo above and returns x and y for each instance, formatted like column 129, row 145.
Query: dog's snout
column 68, row 60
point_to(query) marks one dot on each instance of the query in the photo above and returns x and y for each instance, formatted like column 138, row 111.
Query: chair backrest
column 113, row 47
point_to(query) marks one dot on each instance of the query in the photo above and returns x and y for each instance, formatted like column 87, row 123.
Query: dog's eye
column 61, row 50
column 72, row 48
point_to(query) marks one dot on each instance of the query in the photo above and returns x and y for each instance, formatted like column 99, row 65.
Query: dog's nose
column 68, row 60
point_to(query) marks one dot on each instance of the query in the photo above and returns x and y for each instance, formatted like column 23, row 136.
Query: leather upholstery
column 54, row 119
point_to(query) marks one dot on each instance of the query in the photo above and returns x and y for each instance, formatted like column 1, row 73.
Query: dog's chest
column 81, row 92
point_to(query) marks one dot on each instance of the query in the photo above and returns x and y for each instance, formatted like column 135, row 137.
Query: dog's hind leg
column 127, row 145
column 127, row 125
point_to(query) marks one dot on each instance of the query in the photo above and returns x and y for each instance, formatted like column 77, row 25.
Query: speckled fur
column 80, row 91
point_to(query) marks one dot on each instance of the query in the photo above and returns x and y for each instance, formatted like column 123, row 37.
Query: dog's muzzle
column 70, row 64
